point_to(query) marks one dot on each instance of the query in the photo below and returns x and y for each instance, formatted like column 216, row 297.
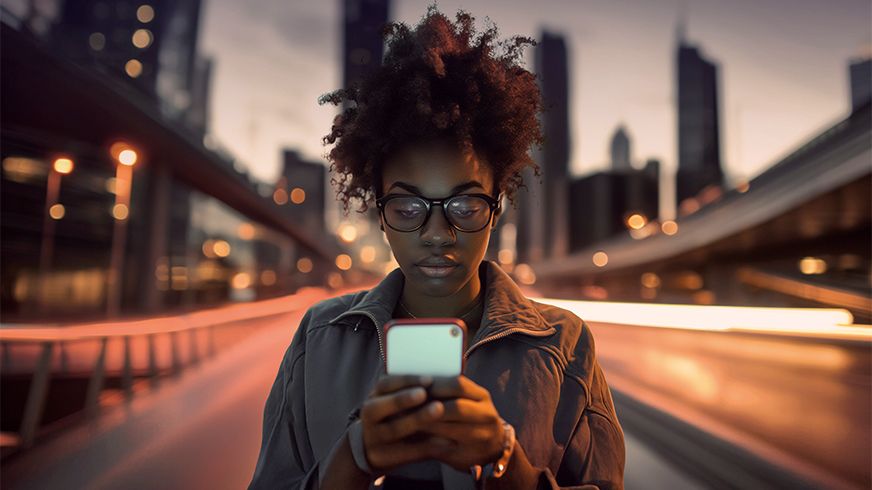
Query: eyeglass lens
column 467, row 213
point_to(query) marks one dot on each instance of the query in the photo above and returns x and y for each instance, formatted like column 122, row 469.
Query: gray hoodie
column 537, row 361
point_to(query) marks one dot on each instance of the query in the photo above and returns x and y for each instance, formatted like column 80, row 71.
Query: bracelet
column 497, row 468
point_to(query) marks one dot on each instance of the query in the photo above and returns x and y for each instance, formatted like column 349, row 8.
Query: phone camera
column 455, row 332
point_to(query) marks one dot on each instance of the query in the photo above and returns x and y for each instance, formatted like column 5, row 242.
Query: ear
column 497, row 213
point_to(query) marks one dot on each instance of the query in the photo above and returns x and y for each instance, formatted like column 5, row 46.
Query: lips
column 437, row 266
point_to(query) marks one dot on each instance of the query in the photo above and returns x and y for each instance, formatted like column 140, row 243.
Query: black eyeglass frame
column 493, row 204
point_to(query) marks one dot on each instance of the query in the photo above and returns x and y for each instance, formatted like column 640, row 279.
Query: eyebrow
column 455, row 190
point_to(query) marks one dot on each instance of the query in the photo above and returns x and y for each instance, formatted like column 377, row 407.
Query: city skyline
column 769, row 107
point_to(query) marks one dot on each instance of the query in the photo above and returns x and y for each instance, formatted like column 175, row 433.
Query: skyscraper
column 699, row 149
column 553, row 71
column 363, row 47
column 362, row 52
column 621, row 150
column 305, row 182
column 151, row 46
column 861, row 82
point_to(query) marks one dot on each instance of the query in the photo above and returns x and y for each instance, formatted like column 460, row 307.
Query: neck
column 450, row 306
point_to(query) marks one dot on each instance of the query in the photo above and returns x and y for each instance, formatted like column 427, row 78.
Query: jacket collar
column 505, row 303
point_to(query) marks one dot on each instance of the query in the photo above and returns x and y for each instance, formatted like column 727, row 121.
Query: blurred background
column 167, row 217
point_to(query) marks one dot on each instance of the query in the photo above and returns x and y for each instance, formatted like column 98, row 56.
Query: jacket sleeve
column 286, row 459
column 597, row 467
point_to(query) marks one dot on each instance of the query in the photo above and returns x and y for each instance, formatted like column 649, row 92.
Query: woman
column 438, row 135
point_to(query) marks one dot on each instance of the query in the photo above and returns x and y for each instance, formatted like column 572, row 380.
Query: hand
column 394, row 417
column 468, row 420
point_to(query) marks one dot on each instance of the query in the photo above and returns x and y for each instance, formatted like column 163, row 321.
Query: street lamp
column 53, row 211
column 126, row 158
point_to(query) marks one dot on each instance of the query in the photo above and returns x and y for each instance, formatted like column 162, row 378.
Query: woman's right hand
column 395, row 410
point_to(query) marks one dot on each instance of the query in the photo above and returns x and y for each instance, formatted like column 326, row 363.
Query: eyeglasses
column 466, row 212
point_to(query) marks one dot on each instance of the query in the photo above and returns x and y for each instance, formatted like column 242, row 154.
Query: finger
column 392, row 383
column 400, row 453
column 407, row 425
column 457, row 387
column 463, row 434
column 467, row 411
column 376, row 409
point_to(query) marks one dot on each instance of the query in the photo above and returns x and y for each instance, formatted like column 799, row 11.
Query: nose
column 437, row 230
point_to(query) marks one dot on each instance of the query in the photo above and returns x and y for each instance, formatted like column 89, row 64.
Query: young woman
column 438, row 135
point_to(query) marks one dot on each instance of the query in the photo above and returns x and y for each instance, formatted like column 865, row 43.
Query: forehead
column 436, row 170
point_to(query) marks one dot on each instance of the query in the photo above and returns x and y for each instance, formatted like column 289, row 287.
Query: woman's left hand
column 469, row 421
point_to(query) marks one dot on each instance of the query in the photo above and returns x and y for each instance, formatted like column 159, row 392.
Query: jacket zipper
column 381, row 349
column 506, row 333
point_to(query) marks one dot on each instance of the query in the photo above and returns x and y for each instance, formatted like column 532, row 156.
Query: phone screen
column 425, row 347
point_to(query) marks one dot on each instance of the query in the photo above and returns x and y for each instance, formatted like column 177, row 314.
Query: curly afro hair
column 438, row 82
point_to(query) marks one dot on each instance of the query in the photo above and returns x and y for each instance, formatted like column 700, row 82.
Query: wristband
column 498, row 467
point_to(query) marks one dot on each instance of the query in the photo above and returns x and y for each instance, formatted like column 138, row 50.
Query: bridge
column 737, row 345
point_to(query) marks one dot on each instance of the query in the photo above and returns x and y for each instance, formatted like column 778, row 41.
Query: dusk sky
column 783, row 71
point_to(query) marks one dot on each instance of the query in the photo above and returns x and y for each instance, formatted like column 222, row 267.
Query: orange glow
column 165, row 324
column 145, row 13
column 334, row 280
column 669, row 227
column 63, row 166
column 127, row 157
column 268, row 277
column 689, row 280
column 347, row 232
column 812, row 265
column 141, row 38
column 688, row 206
column 207, row 249
column 525, row 274
column 133, row 68
column 298, row 195
column 636, row 221
column 280, row 197
column 367, row 254
column 304, row 265
column 110, row 185
column 600, row 259
column 120, row 212
column 506, row 256
column 822, row 322
column 57, row 211
column 245, row 231
column 743, row 187
column 650, row 280
column 343, row 261
column 221, row 248
column 241, row 280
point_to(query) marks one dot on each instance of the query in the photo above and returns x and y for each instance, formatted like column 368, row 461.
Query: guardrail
column 198, row 328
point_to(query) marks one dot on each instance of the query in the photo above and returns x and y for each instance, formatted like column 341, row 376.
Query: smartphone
column 425, row 346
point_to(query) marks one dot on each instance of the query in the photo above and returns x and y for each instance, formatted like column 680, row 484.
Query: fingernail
column 418, row 393
column 434, row 408
column 425, row 380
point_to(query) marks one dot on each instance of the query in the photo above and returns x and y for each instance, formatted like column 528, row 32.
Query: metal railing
column 199, row 328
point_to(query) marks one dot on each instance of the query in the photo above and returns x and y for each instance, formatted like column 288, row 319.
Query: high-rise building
column 599, row 204
column 151, row 46
column 362, row 52
column 699, row 149
column 861, row 82
column 620, row 150
column 363, row 46
column 549, row 221
column 305, row 185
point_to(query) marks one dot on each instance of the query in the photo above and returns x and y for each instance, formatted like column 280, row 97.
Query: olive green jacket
column 537, row 361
